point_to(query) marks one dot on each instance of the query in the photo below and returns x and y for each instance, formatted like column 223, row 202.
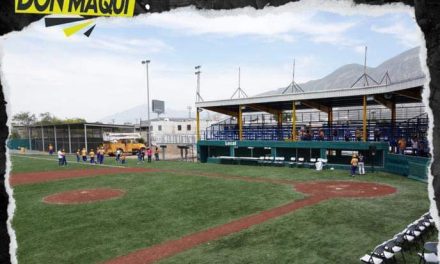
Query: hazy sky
column 94, row 77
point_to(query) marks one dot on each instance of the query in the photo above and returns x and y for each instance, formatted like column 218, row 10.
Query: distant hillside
column 401, row 67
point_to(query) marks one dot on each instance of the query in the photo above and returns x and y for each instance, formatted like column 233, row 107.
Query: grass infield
column 166, row 205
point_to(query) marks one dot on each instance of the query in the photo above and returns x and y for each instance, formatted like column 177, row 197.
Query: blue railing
column 352, row 131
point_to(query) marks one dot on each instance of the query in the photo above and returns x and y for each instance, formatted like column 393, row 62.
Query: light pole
column 146, row 62
column 198, row 96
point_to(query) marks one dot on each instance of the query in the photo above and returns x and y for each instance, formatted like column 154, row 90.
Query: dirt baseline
column 83, row 196
column 46, row 176
column 318, row 191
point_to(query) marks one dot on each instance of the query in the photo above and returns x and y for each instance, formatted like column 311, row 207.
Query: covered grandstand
column 329, row 124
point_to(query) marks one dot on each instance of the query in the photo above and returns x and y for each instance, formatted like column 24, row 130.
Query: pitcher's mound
column 83, row 196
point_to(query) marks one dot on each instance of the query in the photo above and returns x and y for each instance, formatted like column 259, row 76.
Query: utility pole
column 146, row 62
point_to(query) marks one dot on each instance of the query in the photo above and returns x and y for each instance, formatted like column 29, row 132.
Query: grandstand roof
column 408, row 91
column 404, row 88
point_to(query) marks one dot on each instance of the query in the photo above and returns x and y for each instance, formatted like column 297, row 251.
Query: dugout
column 69, row 137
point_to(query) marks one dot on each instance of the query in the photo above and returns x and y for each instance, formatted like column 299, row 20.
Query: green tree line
column 30, row 119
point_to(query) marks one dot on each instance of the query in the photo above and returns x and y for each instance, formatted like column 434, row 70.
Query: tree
column 74, row 120
column 48, row 119
column 25, row 118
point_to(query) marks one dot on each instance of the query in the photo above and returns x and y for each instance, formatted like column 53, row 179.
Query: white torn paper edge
column 9, row 190
column 345, row 7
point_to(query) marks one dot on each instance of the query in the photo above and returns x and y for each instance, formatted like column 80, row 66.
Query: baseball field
column 182, row 212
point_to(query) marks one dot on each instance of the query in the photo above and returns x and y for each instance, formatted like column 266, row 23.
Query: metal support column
column 198, row 123
column 30, row 138
column 42, row 138
column 330, row 122
column 85, row 137
column 70, row 139
column 55, row 138
column 240, row 124
column 393, row 120
column 364, row 118
column 293, row 121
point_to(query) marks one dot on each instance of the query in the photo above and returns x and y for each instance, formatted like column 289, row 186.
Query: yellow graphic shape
column 73, row 29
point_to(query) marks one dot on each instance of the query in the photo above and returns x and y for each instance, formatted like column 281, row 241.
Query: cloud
column 280, row 25
column 54, row 38
column 408, row 36
column 286, row 23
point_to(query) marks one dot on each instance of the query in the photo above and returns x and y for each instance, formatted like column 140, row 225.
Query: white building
column 175, row 130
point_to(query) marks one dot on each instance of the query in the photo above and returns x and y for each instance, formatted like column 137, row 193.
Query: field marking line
column 78, row 163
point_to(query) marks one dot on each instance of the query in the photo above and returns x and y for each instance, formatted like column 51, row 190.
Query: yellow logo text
column 122, row 8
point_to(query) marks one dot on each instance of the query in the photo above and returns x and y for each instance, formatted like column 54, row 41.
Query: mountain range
column 401, row 67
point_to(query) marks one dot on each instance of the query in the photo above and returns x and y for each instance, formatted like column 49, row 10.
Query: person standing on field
column 64, row 157
column 78, row 155
column 156, row 153
column 98, row 154
column 361, row 164
column 50, row 149
column 149, row 154
column 354, row 164
column 60, row 157
column 92, row 156
column 139, row 156
column 143, row 152
column 102, row 155
column 118, row 155
column 84, row 154
column 123, row 155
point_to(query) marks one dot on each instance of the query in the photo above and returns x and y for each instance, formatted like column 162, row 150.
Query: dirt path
column 46, row 176
column 83, row 196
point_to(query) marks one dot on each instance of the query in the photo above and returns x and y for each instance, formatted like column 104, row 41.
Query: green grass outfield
column 161, row 206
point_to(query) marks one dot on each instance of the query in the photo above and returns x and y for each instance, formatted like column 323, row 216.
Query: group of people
column 62, row 161
column 81, row 154
column 149, row 153
column 417, row 147
column 120, row 156
column 98, row 156
column 357, row 162
column 310, row 134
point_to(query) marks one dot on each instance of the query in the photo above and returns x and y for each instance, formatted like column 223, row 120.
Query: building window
column 188, row 127
column 179, row 127
column 159, row 128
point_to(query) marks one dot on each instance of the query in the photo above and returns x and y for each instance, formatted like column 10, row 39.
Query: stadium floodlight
column 198, row 96
column 146, row 62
